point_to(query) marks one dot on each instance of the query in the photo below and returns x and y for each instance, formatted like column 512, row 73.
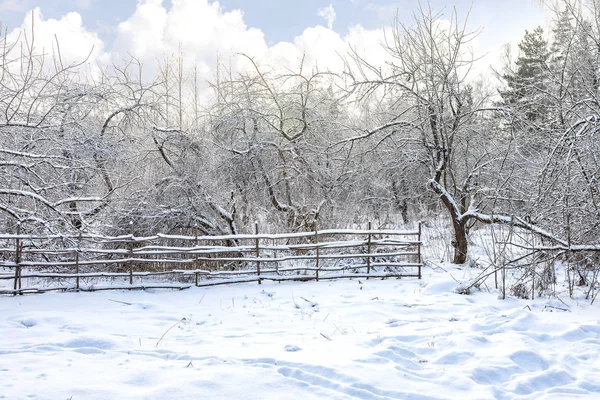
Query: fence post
column 196, row 254
column 419, row 250
column 275, row 256
column 18, row 248
column 317, row 251
column 131, row 253
column 369, row 249
column 77, row 261
column 257, row 252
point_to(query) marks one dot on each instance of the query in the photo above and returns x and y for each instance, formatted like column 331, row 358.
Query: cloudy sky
column 275, row 31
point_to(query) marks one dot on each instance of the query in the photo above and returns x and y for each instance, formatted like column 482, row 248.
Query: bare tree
column 436, row 112
column 274, row 129
column 47, row 168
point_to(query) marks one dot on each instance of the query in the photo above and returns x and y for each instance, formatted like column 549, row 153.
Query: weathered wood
column 369, row 249
column 196, row 245
column 18, row 249
column 316, row 253
column 219, row 238
column 257, row 252
column 209, row 250
column 205, row 273
column 77, row 263
column 91, row 289
column 302, row 278
column 419, row 260
column 130, row 262
column 250, row 259
column 335, row 256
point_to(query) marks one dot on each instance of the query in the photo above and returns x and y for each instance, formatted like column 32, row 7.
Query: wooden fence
column 89, row 262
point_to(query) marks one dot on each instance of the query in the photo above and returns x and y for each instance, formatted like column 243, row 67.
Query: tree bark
column 460, row 242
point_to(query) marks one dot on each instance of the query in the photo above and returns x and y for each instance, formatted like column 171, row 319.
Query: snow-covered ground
column 390, row 339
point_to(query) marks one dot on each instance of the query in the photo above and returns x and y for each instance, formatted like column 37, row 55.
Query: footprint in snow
column 292, row 348
column 529, row 360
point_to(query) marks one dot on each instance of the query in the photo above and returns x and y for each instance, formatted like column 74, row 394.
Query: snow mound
column 441, row 287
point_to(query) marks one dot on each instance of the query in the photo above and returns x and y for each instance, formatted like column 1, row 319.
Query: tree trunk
column 460, row 242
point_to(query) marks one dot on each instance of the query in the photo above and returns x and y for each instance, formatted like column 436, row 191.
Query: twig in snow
column 167, row 331
column 437, row 266
column 561, row 300
column 325, row 336
column 202, row 298
column 557, row 308
column 122, row 302
column 294, row 300
column 337, row 329
column 312, row 303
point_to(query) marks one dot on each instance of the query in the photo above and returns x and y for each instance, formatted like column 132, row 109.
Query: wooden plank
column 258, row 253
column 280, row 278
column 369, row 249
column 93, row 288
column 419, row 259
column 283, row 236
column 336, row 256
column 199, row 250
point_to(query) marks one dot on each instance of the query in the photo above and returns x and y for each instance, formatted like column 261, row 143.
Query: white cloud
column 328, row 13
column 65, row 37
column 203, row 30
column 206, row 35
column 322, row 47
column 369, row 43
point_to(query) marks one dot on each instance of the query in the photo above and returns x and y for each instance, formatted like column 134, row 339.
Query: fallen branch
column 167, row 331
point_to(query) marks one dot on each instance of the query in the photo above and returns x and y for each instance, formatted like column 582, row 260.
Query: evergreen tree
column 528, row 80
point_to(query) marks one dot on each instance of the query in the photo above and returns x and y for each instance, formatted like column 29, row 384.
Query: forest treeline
column 418, row 137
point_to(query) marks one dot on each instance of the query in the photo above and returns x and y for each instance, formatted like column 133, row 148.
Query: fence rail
column 71, row 262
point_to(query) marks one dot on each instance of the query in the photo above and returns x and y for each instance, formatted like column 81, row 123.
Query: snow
column 344, row 339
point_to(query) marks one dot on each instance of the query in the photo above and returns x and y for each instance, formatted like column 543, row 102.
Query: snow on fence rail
column 80, row 262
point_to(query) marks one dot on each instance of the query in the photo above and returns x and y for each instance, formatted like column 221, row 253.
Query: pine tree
column 528, row 80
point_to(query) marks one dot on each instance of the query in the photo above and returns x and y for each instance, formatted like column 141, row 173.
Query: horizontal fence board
column 165, row 250
column 10, row 264
column 203, row 273
column 207, row 260
column 93, row 288
column 278, row 278
column 191, row 261
column 130, row 238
